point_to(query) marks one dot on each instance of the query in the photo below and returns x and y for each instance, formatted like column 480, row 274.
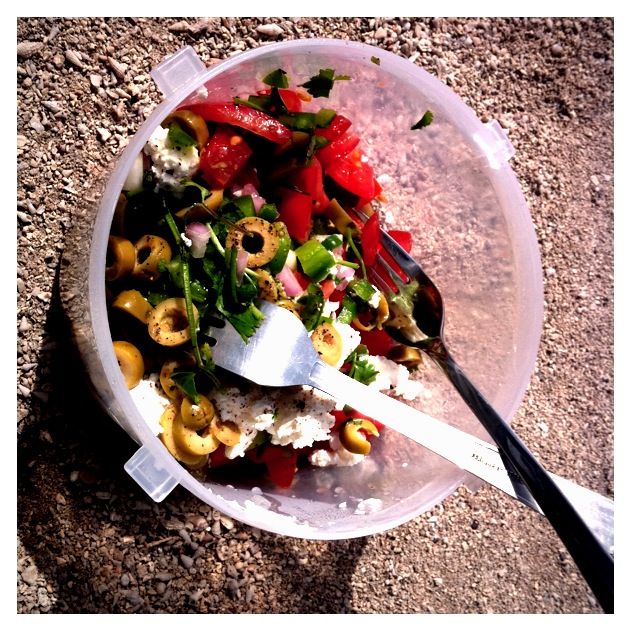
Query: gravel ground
column 89, row 541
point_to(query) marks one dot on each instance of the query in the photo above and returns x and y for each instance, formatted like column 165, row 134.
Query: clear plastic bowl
column 451, row 185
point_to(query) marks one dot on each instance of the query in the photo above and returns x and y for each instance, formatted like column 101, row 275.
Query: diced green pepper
column 361, row 288
column 332, row 241
column 324, row 117
column 268, row 212
column 299, row 121
column 315, row 259
column 284, row 245
column 245, row 204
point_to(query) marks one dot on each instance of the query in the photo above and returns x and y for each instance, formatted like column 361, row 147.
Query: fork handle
column 594, row 562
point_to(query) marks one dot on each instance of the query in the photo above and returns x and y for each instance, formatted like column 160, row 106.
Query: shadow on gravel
column 85, row 524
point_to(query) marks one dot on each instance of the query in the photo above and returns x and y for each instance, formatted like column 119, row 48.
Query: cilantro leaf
column 361, row 369
column 246, row 322
column 178, row 138
column 185, row 381
column 276, row 79
column 322, row 83
column 375, row 60
column 426, row 120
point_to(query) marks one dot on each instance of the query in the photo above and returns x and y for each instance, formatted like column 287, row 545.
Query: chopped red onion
column 290, row 282
column 242, row 263
column 250, row 189
column 198, row 234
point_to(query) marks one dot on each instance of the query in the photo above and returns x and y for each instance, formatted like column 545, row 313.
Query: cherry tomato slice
column 354, row 175
column 403, row 238
column 223, row 157
column 294, row 210
column 371, row 240
column 292, row 101
column 281, row 464
column 245, row 117
column 338, row 126
column 309, row 179
column 339, row 148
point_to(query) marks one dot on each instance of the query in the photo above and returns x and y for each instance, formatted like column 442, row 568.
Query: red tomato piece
column 378, row 190
column 403, row 238
column 309, row 179
column 371, row 240
column 377, row 341
column 292, row 101
column 354, row 175
column 219, row 458
column 339, row 148
column 294, row 210
column 342, row 416
column 245, row 117
column 328, row 287
column 281, row 464
column 223, row 157
column 338, row 126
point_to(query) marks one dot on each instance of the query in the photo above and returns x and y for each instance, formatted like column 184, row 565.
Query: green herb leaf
column 276, row 79
column 361, row 369
column 322, row 83
column 313, row 302
column 185, row 381
column 426, row 120
column 177, row 137
column 375, row 60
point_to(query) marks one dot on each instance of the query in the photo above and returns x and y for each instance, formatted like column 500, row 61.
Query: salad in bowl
column 267, row 196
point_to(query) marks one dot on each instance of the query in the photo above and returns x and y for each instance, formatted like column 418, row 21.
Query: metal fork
column 427, row 335
column 281, row 354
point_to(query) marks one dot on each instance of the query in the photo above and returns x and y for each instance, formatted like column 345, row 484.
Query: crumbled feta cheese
column 351, row 339
column 368, row 506
column 394, row 378
column 170, row 165
column 335, row 456
column 375, row 299
column 150, row 400
column 298, row 418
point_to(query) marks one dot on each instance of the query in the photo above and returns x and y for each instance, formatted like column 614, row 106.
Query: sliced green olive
column 130, row 361
column 290, row 305
column 257, row 237
column 149, row 251
column 268, row 289
column 406, row 356
column 131, row 301
column 197, row 416
column 197, row 444
column 166, row 381
column 328, row 342
column 353, row 435
column 340, row 218
column 118, row 221
column 380, row 316
column 227, row 432
column 190, row 122
column 167, row 419
column 168, row 322
column 120, row 258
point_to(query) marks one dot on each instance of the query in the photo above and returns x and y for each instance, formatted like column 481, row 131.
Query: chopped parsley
column 360, row 367
column 427, row 119
column 322, row 83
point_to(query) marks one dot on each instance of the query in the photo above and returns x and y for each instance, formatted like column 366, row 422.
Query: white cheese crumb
column 150, row 401
column 170, row 165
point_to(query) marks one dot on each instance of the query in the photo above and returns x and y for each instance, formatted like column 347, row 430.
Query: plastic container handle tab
column 176, row 70
column 154, row 480
column 496, row 146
